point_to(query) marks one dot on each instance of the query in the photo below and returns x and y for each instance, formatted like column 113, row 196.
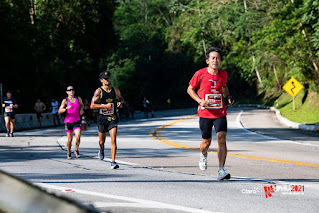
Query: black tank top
column 106, row 116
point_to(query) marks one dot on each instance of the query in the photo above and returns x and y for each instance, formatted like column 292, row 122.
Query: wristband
column 200, row 101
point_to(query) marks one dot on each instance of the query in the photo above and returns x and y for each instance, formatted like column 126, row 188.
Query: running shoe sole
column 77, row 154
column 227, row 177
column 203, row 169
column 115, row 167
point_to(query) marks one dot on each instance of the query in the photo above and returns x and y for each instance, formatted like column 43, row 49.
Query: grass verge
column 306, row 107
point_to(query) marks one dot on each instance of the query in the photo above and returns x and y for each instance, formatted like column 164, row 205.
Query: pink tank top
column 72, row 114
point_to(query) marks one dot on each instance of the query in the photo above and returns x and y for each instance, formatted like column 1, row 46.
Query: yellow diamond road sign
column 292, row 87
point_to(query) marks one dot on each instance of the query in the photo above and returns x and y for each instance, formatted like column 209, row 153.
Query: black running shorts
column 206, row 126
column 39, row 115
column 69, row 127
column 103, row 128
column 12, row 116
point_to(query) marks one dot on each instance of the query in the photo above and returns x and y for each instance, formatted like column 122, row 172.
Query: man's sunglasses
column 70, row 90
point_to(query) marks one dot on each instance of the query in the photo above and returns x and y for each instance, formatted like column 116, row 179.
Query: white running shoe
column 68, row 156
column 203, row 162
column 77, row 153
column 223, row 175
column 114, row 165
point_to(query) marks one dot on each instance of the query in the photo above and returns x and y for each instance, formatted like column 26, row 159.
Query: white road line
column 121, row 162
column 127, row 205
column 32, row 134
column 136, row 202
column 270, row 138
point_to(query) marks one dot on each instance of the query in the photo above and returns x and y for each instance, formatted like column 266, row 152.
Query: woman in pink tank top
column 73, row 107
column 72, row 111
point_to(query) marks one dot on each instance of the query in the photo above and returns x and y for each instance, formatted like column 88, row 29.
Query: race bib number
column 107, row 111
column 215, row 101
column 9, row 109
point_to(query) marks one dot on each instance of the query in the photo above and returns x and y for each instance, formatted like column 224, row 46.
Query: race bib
column 9, row 109
column 215, row 101
column 107, row 111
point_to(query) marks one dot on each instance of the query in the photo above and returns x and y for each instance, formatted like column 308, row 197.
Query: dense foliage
column 153, row 47
column 48, row 45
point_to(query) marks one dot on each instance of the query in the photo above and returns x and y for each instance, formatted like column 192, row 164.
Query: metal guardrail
column 18, row 195
column 29, row 121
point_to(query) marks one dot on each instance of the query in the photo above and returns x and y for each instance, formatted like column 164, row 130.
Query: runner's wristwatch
column 229, row 97
column 200, row 101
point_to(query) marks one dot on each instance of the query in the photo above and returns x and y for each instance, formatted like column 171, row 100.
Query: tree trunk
column 245, row 5
column 201, row 27
column 307, row 41
column 146, row 11
column 32, row 11
column 257, row 72
column 316, row 67
column 275, row 72
column 256, row 5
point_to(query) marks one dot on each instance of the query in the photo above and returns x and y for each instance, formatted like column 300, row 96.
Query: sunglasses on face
column 70, row 90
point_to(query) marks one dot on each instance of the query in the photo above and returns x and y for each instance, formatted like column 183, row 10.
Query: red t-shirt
column 210, row 89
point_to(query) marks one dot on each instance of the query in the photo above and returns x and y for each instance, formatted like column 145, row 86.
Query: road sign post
column 293, row 87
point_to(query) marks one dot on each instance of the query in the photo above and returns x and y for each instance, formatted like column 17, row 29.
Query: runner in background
column 146, row 106
column 87, row 111
column 106, row 99
column 73, row 107
column 212, row 88
column 55, row 110
column 39, row 108
column 10, row 105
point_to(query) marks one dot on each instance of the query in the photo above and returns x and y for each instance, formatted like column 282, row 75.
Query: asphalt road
column 159, row 171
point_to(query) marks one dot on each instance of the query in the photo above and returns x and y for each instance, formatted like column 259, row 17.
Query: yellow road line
column 156, row 135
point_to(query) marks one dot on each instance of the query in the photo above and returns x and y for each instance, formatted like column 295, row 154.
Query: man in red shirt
column 210, row 83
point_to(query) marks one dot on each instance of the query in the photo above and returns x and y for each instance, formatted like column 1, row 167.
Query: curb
column 282, row 119
column 18, row 195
